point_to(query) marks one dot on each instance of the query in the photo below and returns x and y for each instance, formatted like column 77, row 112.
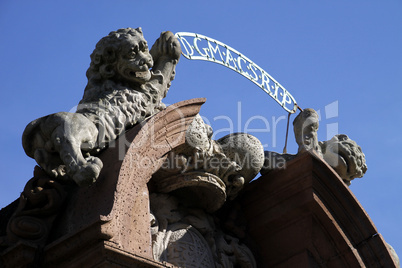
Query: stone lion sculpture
column 122, row 91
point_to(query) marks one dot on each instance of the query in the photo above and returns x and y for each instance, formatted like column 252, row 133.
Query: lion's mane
column 110, row 102
column 348, row 149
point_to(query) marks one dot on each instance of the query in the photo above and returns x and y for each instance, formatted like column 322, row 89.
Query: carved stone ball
column 198, row 134
column 246, row 150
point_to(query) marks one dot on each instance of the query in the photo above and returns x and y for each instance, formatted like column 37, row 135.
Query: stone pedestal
column 305, row 216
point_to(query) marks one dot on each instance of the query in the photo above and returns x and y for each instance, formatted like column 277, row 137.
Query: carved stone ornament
column 206, row 172
column 189, row 237
column 38, row 206
column 345, row 156
column 305, row 127
column 122, row 91
column 193, row 183
column 340, row 152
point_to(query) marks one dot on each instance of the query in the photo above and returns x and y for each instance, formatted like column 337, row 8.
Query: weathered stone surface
column 194, row 183
column 340, row 152
column 305, row 127
column 121, row 92
column 305, row 216
column 394, row 255
column 190, row 237
column 345, row 156
column 247, row 151
column 274, row 161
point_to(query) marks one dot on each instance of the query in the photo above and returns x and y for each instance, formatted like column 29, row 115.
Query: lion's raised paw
column 166, row 45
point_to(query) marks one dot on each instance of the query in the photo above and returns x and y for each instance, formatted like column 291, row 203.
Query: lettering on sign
column 199, row 47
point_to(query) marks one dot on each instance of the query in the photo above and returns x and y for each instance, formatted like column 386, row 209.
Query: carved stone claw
column 166, row 45
column 88, row 173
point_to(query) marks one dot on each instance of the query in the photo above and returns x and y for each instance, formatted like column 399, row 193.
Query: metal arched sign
column 200, row 47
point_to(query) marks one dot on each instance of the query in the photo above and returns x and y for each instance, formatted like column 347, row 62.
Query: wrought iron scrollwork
column 205, row 48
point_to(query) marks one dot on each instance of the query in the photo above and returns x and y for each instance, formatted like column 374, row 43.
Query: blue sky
column 342, row 58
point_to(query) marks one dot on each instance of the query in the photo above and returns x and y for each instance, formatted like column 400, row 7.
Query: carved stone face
column 135, row 60
column 305, row 127
column 345, row 156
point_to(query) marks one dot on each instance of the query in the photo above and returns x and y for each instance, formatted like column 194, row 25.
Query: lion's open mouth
column 138, row 75
column 146, row 75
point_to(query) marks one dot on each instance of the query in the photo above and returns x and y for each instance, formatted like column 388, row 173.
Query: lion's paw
column 166, row 45
column 89, row 172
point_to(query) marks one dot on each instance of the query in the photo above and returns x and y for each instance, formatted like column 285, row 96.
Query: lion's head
column 119, row 92
column 122, row 54
column 345, row 156
column 121, row 57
